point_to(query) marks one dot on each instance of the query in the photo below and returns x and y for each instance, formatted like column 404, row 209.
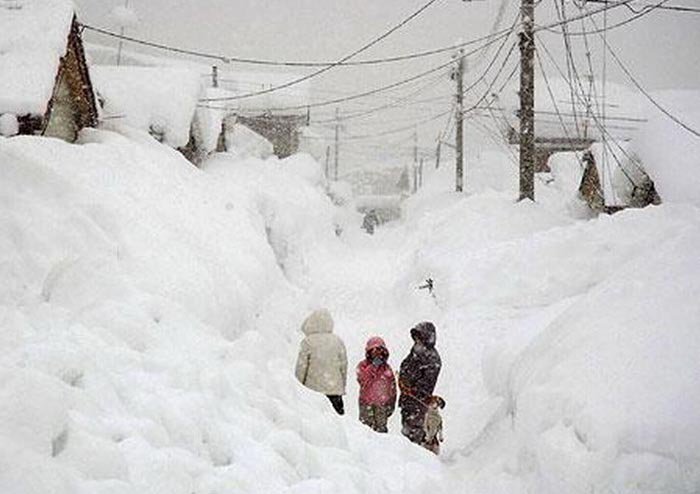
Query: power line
column 601, row 127
column 393, row 104
column 400, row 129
column 629, row 20
column 646, row 93
column 347, row 57
column 676, row 8
column 372, row 91
column 314, row 74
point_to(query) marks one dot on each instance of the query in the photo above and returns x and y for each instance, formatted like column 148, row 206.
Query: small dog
column 433, row 424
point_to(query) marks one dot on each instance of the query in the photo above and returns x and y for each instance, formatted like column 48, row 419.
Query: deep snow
column 150, row 315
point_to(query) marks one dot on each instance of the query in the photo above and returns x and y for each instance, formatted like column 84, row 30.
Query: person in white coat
column 322, row 364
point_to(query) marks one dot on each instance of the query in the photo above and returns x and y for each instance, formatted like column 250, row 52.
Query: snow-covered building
column 45, row 85
column 278, row 115
column 158, row 100
column 608, row 177
column 614, row 180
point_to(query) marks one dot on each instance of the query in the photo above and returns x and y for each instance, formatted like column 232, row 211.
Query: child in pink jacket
column 377, row 386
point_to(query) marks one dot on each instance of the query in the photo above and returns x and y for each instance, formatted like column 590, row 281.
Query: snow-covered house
column 158, row 100
column 45, row 85
column 279, row 115
column 612, row 179
column 607, row 177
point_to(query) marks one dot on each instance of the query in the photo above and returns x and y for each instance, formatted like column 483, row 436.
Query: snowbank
column 569, row 346
column 33, row 38
column 159, row 100
column 150, row 332
column 607, row 398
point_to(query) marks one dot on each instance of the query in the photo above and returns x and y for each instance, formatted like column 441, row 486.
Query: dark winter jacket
column 419, row 371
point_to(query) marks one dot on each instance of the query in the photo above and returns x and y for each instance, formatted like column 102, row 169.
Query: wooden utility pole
column 459, row 122
column 121, row 34
column 527, row 101
column 328, row 162
column 337, row 143
column 437, row 151
column 214, row 76
column 420, row 173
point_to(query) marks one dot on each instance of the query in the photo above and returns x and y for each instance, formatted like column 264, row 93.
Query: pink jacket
column 377, row 383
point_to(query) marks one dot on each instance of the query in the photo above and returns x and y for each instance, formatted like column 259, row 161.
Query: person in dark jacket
column 418, row 375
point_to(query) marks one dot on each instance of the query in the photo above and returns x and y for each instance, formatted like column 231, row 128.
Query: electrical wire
column 602, row 128
column 641, row 89
column 614, row 26
column 329, row 67
column 371, row 92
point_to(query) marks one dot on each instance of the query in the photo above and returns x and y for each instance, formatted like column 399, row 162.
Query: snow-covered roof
column 33, row 38
column 236, row 82
column 161, row 99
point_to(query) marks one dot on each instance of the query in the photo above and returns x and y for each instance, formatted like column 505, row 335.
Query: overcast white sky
column 662, row 48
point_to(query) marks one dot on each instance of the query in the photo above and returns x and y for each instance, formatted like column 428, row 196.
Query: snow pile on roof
column 160, row 100
column 669, row 153
column 33, row 38
column 231, row 82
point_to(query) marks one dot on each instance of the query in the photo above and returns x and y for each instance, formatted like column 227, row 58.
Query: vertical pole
column 337, row 142
column 121, row 41
column 328, row 162
column 527, row 100
column 437, row 152
column 459, row 122
column 415, row 178
column 420, row 173
column 415, row 148
column 214, row 76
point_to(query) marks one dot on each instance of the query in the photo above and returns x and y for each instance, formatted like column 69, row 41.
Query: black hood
column 425, row 333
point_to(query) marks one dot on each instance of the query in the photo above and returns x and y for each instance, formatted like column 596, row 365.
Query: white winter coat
column 322, row 363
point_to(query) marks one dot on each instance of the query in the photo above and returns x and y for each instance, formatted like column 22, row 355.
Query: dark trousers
column 337, row 402
column 412, row 418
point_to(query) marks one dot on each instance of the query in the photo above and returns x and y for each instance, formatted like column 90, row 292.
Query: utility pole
column 337, row 142
column 328, row 162
column 437, row 151
column 458, row 75
column 121, row 39
column 214, row 76
column 415, row 147
column 527, row 101
column 420, row 173
column 415, row 160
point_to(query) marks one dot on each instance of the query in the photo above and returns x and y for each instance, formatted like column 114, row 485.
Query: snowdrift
column 576, row 340
column 149, row 328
